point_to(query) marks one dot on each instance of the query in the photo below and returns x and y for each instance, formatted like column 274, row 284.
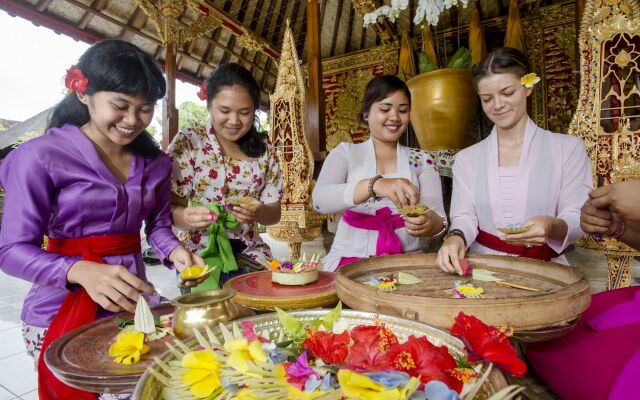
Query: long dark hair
column 252, row 143
column 379, row 88
column 115, row 66
column 503, row 60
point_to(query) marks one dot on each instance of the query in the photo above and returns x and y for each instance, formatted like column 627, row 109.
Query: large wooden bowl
column 148, row 388
column 81, row 357
column 534, row 316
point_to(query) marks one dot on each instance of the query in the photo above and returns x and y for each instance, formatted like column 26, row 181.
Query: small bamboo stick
column 516, row 286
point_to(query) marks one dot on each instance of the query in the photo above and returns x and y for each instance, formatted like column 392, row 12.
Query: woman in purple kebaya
column 88, row 184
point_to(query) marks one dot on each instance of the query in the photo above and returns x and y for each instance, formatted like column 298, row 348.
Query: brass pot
column 199, row 309
column 443, row 103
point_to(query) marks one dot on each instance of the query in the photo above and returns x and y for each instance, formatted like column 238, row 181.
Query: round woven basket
column 148, row 388
column 561, row 293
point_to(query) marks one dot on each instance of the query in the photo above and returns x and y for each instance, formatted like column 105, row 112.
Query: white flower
column 399, row 4
column 450, row 3
column 384, row 10
column 370, row 19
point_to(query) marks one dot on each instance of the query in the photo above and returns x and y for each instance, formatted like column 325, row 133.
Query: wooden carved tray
column 553, row 311
column 81, row 357
column 256, row 291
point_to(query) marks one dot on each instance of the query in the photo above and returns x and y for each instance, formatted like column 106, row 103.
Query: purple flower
column 286, row 265
column 300, row 368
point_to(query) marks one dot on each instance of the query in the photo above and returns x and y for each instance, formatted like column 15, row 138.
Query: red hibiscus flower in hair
column 420, row 358
column 485, row 342
column 75, row 81
column 202, row 94
column 329, row 347
column 370, row 345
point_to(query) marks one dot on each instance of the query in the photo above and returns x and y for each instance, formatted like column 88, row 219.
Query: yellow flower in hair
column 529, row 80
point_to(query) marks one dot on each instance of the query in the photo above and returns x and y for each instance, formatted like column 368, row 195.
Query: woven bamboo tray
column 553, row 311
column 148, row 388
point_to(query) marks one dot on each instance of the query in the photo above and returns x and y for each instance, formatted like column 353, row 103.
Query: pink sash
column 385, row 222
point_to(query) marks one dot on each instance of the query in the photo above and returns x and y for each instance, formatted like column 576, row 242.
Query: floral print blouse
column 202, row 174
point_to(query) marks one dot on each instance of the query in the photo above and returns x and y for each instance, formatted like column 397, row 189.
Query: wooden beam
column 43, row 4
column 314, row 104
column 137, row 21
column 151, row 38
column 61, row 26
column 303, row 28
column 86, row 18
column 336, row 27
column 279, row 22
column 347, row 46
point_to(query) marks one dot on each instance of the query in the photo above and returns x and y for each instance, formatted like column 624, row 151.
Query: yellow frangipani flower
column 241, row 352
column 359, row 386
column 202, row 373
column 529, row 80
column 128, row 348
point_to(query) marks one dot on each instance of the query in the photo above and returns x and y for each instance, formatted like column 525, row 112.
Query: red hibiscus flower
column 370, row 345
column 75, row 80
column 329, row 347
column 235, row 170
column 213, row 174
column 202, row 94
column 420, row 358
column 485, row 342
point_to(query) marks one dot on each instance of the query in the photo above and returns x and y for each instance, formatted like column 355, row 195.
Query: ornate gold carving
column 298, row 222
column 250, row 41
column 168, row 25
column 550, row 35
column 344, row 80
column 608, row 115
column 363, row 7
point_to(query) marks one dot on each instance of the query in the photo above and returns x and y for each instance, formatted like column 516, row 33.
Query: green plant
column 427, row 14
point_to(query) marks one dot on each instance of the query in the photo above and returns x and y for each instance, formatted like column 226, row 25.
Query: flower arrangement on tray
column 296, row 272
column 322, row 359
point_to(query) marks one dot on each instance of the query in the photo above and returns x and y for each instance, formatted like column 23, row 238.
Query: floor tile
column 11, row 342
column 32, row 395
column 7, row 395
column 18, row 375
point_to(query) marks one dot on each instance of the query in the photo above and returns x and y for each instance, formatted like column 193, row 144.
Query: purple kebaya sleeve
column 29, row 188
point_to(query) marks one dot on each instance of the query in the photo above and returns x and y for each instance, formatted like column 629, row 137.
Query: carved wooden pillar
column 314, row 102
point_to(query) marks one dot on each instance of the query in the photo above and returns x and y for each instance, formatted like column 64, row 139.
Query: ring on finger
column 528, row 245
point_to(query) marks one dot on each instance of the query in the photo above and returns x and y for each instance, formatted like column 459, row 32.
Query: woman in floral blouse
column 227, row 168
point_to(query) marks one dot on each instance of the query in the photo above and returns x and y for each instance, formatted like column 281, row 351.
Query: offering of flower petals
column 414, row 210
column 309, row 360
column 194, row 272
column 510, row 229
column 295, row 273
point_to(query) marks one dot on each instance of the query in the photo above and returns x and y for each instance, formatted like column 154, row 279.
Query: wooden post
column 170, row 113
column 314, row 107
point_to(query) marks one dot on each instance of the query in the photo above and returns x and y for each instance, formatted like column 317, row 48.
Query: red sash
column 78, row 308
column 544, row 252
